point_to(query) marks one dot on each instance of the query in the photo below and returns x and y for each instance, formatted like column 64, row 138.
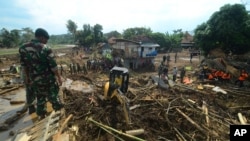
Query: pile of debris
column 181, row 112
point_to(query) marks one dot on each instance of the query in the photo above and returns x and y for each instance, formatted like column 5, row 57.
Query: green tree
column 173, row 40
column 98, row 34
column 72, row 27
column 10, row 38
column 85, row 37
column 26, row 34
column 203, row 38
column 160, row 39
column 228, row 29
column 131, row 33
column 113, row 34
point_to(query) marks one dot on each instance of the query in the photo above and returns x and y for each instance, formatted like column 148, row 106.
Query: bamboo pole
column 114, row 130
column 56, row 137
column 8, row 90
column 192, row 122
column 241, row 119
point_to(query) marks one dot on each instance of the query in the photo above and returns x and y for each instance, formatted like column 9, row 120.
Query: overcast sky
column 159, row 15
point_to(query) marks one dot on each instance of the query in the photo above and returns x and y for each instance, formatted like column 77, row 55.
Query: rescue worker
column 74, row 68
column 204, row 72
column 61, row 69
column 79, row 70
column 219, row 74
column 182, row 74
column 211, row 75
column 226, row 77
column 85, row 69
column 243, row 76
column 175, row 71
column 71, row 68
column 41, row 72
column 191, row 57
column 163, row 69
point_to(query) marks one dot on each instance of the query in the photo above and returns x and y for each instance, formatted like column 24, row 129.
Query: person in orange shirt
column 226, row 77
column 243, row 76
column 210, row 76
column 219, row 74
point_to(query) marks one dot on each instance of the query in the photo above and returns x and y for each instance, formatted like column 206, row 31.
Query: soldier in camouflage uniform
column 41, row 71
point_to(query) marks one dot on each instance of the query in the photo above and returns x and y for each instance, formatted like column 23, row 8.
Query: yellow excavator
column 115, row 91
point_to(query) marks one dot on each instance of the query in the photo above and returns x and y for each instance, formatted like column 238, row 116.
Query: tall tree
column 113, row 34
column 85, row 37
column 72, row 27
column 160, row 39
column 228, row 29
column 130, row 33
column 26, row 34
column 98, row 35
column 10, row 38
column 203, row 38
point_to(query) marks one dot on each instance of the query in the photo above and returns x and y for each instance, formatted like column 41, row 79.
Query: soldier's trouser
column 30, row 96
column 49, row 92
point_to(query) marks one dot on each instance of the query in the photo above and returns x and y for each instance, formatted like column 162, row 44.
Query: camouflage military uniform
column 39, row 60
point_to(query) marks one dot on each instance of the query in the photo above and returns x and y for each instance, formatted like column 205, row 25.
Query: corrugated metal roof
column 150, row 45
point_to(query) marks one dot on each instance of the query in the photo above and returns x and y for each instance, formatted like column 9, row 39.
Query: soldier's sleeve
column 51, row 59
column 22, row 56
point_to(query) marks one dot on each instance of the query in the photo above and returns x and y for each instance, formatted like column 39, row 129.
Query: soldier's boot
column 32, row 109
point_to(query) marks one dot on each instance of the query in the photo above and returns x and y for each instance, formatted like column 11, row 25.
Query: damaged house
column 136, row 55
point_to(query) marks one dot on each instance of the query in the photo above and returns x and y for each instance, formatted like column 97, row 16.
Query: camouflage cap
column 41, row 33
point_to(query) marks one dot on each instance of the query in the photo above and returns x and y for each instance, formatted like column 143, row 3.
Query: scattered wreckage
column 158, row 110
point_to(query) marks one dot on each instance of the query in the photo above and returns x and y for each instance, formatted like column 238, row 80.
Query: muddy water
column 7, row 110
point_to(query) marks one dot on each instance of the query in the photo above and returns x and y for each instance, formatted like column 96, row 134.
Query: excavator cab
column 114, row 91
column 118, row 80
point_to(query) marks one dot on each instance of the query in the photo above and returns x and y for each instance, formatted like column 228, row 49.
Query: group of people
column 164, row 69
column 222, row 76
column 76, row 68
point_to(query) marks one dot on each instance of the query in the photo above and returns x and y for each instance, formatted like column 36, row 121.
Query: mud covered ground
column 181, row 112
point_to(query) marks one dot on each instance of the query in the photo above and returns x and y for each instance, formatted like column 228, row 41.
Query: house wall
column 131, row 49
column 135, row 55
column 147, row 50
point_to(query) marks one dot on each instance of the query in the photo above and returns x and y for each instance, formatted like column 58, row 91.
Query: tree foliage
column 11, row 38
column 112, row 34
column 71, row 26
column 131, row 33
column 227, row 29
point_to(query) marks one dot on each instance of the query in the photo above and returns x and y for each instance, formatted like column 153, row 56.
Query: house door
column 142, row 49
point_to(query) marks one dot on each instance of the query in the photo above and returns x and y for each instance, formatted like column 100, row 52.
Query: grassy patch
column 11, row 51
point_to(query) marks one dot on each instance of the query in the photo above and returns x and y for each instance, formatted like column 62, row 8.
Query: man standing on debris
column 41, row 71
column 175, row 71
column 182, row 74
column 163, row 69
column 85, row 69
column 191, row 57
